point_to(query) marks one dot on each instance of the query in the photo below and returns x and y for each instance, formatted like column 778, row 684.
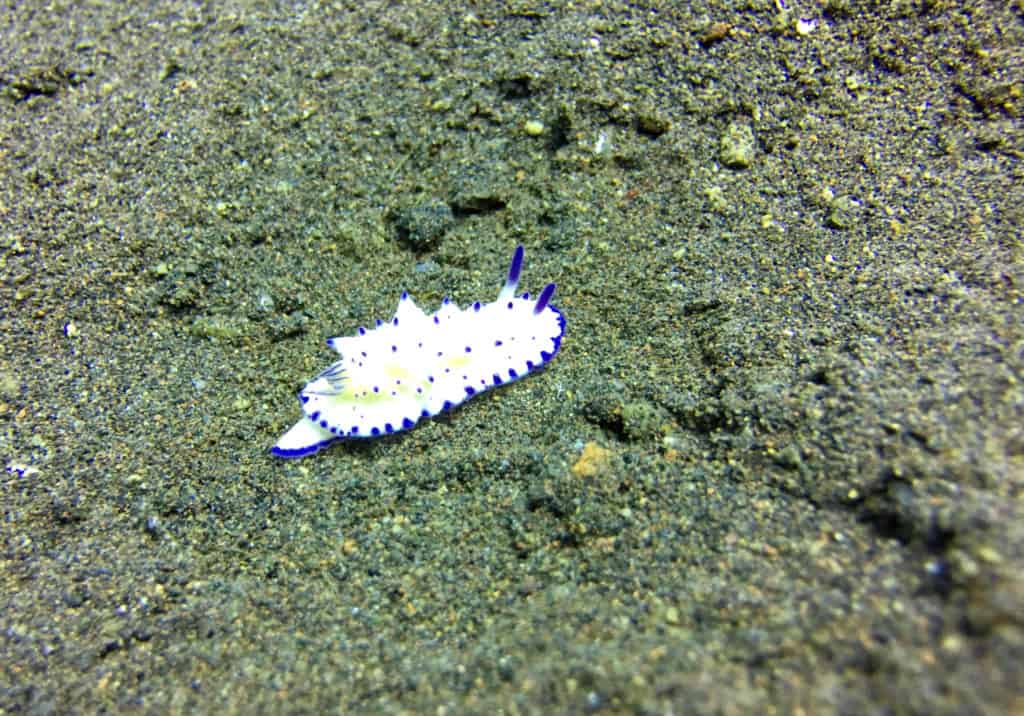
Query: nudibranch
column 417, row 365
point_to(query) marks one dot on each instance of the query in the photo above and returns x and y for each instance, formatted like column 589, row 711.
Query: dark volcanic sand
column 776, row 468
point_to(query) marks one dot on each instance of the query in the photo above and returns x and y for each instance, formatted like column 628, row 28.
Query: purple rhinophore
column 544, row 298
column 515, row 268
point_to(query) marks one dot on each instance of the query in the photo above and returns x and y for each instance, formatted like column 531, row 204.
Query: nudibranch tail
column 305, row 438
column 417, row 365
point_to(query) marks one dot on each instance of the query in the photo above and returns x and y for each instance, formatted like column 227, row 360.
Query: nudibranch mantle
column 417, row 365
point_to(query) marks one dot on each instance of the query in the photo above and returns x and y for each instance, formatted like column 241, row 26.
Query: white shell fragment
column 417, row 365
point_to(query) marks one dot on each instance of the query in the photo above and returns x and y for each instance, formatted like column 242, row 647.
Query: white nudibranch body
column 417, row 365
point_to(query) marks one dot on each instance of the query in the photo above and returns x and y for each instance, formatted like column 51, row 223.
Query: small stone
column 716, row 199
column 424, row 225
column 843, row 213
column 652, row 123
column 220, row 328
column 593, row 461
column 641, row 420
column 534, row 128
column 715, row 32
column 788, row 457
column 736, row 148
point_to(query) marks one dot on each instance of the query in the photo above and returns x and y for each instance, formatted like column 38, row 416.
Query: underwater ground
column 776, row 467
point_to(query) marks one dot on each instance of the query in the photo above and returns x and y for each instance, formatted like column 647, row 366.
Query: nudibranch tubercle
column 417, row 365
